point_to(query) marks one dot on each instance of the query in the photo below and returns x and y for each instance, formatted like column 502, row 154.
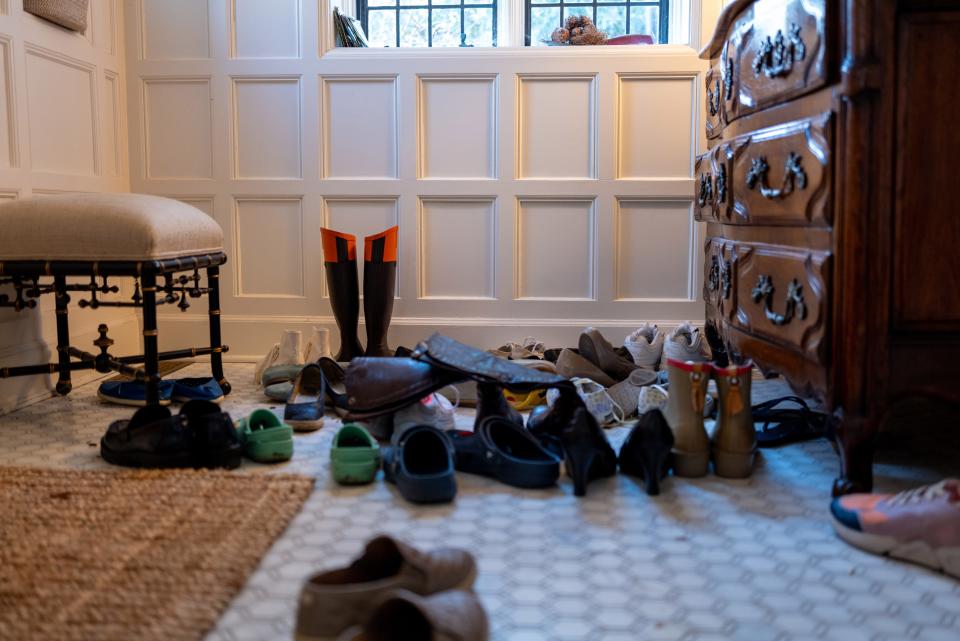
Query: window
column 615, row 17
column 429, row 23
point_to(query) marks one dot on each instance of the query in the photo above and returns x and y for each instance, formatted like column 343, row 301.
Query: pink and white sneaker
column 921, row 525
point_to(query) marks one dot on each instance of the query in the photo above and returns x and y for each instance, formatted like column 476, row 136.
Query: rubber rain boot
column 379, row 287
column 340, row 264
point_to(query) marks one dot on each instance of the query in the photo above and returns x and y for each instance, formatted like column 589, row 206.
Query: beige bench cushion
column 105, row 227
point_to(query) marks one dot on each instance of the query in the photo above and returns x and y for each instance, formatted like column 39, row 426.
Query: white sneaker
column 686, row 343
column 435, row 410
column 287, row 354
column 652, row 397
column 645, row 345
column 597, row 400
column 318, row 346
column 268, row 360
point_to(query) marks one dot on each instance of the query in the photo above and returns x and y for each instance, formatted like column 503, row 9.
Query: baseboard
column 25, row 390
column 250, row 336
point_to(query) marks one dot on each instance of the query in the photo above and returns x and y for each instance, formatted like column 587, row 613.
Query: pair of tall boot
column 379, row 285
column 732, row 444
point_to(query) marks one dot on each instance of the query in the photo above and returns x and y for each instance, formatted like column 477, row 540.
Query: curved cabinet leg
column 855, row 438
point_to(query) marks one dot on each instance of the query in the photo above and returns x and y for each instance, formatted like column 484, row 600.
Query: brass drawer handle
column 776, row 57
column 705, row 193
column 794, row 177
column 795, row 303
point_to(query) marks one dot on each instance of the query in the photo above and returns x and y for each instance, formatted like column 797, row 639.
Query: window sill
column 599, row 51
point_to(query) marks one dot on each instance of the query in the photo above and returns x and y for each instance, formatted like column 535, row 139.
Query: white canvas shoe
column 645, row 345
column 269, row 359
column 318, row 346
column 686, row 343
column 284, row 363
column 435, row 410
column 596, row 399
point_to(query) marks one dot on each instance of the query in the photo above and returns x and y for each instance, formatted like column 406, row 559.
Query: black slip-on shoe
column 151, row 438
column 500, row 449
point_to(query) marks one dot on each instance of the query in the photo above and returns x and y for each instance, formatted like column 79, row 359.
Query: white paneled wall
column 62, row 129
column 536, row 191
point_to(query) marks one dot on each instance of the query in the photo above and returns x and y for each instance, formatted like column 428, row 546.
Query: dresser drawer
column 719, row 258
column 782, row 175
column 704, row 207
column 781, row 47
column 714, row 106
column 782, row 294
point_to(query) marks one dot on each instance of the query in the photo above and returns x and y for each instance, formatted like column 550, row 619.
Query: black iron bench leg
column 64, row 384
column 151, row 363
column 216, row 340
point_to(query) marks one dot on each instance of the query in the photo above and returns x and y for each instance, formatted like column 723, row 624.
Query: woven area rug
column 145, row 555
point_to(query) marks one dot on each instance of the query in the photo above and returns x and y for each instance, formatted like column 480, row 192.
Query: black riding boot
column 340, row 264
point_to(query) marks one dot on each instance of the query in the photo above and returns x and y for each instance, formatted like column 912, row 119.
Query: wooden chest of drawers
column 833, row 225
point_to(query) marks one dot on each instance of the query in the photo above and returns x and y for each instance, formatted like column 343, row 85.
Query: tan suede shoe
column 572, row 365
column 331, row 602
column 403, row 616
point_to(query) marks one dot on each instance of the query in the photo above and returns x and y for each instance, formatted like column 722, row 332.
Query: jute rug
column 124, row 555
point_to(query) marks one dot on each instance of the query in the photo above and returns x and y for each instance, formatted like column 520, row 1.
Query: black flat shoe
column 498, row 448
column 201, row 435
column 333, row 379
column 586, row 451
column 491, row 402
column 646, row 452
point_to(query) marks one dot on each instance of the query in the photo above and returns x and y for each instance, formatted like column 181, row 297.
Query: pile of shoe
column 394, row 592
column 181, row 390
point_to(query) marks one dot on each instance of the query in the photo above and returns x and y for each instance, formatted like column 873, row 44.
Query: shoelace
column 921, row 494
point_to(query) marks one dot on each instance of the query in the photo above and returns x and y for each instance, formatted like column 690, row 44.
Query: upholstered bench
column 159, row 242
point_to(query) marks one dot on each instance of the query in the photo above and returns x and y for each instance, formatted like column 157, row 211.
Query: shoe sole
column 128, row 402
column 305, row 426
column 187, row 399
column 946, row 559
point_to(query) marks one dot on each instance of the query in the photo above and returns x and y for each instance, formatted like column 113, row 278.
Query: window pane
column 381, row 3
column 645, row 20
column 545, row 2
column 413, row 28
column 577, row 1
column 413, row 3
column 436, row 2
column 446, row 27
column 612, row 20
column 577, row 11
column 382, row 26
column 543, row 20
column 478, row 27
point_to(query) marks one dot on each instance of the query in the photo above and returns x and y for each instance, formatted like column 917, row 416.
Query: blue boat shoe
column 132, row 393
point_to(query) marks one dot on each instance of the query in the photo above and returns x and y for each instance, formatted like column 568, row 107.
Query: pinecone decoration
column 582, row 31
column 560, row 35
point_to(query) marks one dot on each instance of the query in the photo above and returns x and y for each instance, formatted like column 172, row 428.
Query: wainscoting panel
column 266, row 128
column 460, row 142
column 556, row 132
column 265, row 28
column 63, row 134
column 8, row 120
column 556, row 249
column 655, row 250
column 360, row 127
column 657, row 125
column 457, row 248
column 174, row 29
column 178, row 128
column 268, row 252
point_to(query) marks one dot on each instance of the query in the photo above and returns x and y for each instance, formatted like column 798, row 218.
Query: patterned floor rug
column 145, row 555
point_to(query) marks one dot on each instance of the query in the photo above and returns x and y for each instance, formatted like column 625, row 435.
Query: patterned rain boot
column 684, row 414
column 734, row 439
column 340, row 265
column 379, row 287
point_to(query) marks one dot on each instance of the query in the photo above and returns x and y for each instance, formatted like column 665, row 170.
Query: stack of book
column 348, row 31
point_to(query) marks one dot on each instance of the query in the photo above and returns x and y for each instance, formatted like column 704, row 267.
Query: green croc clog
column 354, row 456
column 265, row 438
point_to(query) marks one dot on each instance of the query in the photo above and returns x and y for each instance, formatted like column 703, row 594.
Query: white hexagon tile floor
column 750, row 560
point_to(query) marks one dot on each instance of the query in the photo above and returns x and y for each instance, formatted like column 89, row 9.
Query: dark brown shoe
column 598, row 350
column 455, row 615
column 331, row 602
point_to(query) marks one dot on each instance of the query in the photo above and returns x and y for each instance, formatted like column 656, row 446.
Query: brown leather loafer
column 572, row 365
column 331, row 602
column 455, row 615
